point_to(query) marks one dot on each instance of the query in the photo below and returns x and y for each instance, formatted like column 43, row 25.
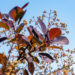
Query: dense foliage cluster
column 39, row 49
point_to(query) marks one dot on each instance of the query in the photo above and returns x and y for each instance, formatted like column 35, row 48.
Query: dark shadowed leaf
column 19, row 16
column 54, row 32
column 60, row 40
column 46, row 57
column 43, row 26
column 3, row 38
column 32, row 31
column 31, row 67
column 38, row 34
column 35, row 33
column 37, row 40
column 22, row 16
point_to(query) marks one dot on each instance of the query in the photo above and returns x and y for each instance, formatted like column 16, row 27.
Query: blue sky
column 64, row 8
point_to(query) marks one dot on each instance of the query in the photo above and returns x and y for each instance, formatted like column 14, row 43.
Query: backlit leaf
column 55, row 47
column 54, row 32
column 16, row 13
column 20, row 28
column 30, row 37
column 4, row 25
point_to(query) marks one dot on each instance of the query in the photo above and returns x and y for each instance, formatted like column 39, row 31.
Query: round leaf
column 54, row 32
column 16, row 13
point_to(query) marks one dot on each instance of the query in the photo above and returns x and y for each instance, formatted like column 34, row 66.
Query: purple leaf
column 43, row 26
column 60, row 40
column 29, row 58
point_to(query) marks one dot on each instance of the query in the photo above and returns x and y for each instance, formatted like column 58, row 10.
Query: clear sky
column 64, row 8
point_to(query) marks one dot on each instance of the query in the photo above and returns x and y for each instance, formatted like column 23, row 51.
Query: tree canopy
column 38, row 42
